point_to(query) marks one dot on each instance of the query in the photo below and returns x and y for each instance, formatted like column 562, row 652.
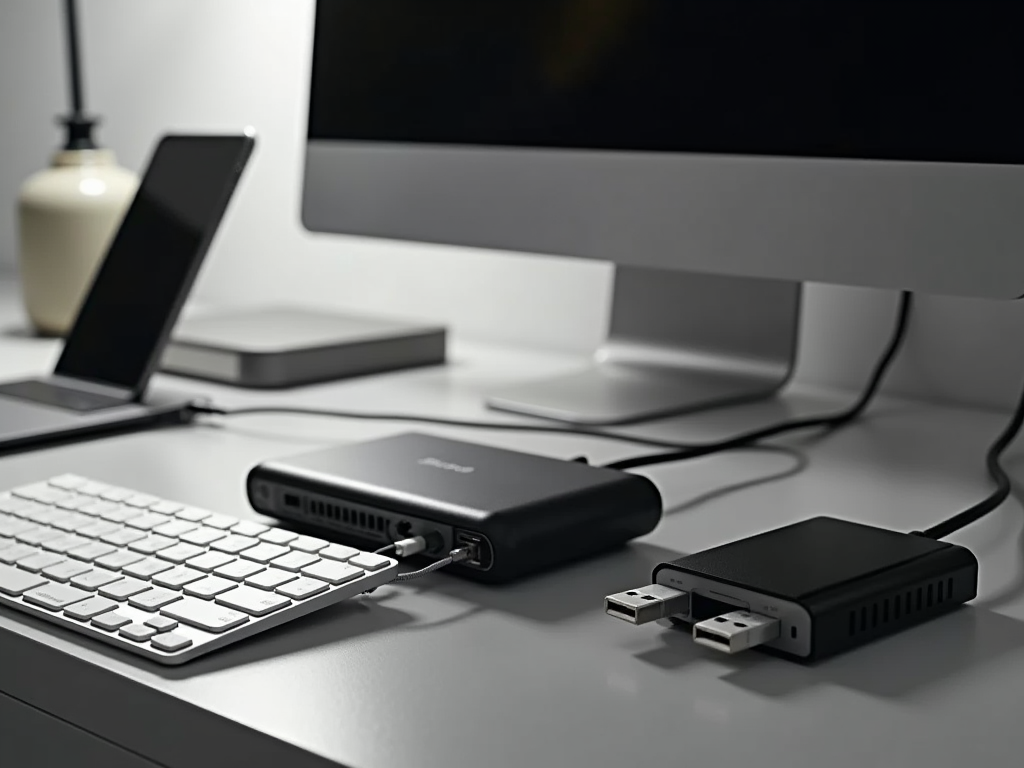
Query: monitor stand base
column 678, row 342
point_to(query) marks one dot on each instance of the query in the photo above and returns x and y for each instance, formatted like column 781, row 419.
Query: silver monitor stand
column 678, row 341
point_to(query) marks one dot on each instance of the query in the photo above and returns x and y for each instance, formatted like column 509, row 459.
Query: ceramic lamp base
column 67, row 215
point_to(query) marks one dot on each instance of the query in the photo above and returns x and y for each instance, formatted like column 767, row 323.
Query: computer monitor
column 720, row 152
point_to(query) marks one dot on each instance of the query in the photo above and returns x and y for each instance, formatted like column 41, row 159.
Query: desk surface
column 446, row 673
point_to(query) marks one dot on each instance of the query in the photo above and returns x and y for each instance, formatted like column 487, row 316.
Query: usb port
column 735, row 632
column 481, row 558
column 291, row 500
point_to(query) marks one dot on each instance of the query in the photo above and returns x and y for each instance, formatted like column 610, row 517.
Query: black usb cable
column 828, row 422
column 678, row 451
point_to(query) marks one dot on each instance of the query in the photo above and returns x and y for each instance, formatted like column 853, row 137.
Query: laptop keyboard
column 164, row 579
column 49, row 393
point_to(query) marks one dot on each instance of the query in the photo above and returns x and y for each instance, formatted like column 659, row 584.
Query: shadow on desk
column 932, row 655
column 23, row 331
column 562, row 594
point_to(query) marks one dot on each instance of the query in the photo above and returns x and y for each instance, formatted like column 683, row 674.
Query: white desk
column 445, row 673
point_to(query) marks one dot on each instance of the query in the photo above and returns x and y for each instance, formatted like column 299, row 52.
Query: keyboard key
column 116, row 494
column 238, row 570
column 192, row 514
column 29, row 491
column 270, row 579
column 96, row 507
column 12, row 526
column 12, row 505
column 210, row 561
column 264, row 553
column 174, row 528
column 171, row 642
column 42, row 493
column 141, row 500
column 369, row 561
column 234, row 544
column 95, row 579
column 152, row 544
column 13, row 582
column 43, row 515
column 29, row 509
column 110, row 621
column 115, row 561
column 179, row 553
column 147, row 568
column 255, row 602
column 202, row 536
column 294, row 561
column 121, row 514
column 307, row 544
column 66, row 543
column 278, row 536
column 221, row 522
column 73, row 503
column 123, row 589
column 90, row 552
column 35, row 562
column 161, row 623
column 154, row 599
column 338, row 552
column 209, row 587
column 178, row 577
column 89, row 608
column 333, row 572
column 72, row 521
column 65, row 571
column 208, row 616
column 165, row 508
column 15, row 552
column 248, row 528
column 140, row 633
column 40, row 534
column 147, row 521
column 54, row 597
column 67, row 482
column 302, row 588
column 98, row 528
column 92, row 488
column 123, row 537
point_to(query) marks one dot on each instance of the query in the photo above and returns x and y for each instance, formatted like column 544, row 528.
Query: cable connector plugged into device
column 806, row 591
column 410, row 546
column 455, row 556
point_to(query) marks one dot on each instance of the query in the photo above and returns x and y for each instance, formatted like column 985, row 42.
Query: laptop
column 99, row 383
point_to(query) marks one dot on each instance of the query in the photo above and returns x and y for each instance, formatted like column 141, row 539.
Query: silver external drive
column 287, row 346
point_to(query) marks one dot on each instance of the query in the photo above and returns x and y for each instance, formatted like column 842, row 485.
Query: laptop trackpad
column 54, row 395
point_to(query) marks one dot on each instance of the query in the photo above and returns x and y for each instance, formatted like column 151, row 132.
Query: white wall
column 205, row 65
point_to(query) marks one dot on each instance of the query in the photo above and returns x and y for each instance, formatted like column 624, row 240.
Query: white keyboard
column 164, row 580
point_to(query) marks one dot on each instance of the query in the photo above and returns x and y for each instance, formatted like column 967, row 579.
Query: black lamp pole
column 79, row 126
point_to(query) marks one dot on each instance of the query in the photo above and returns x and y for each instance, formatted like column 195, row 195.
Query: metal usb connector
column 736, row 631
column 647, row 604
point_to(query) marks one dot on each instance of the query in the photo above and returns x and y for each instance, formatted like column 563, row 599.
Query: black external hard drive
column 806, row 591
column 520, row 512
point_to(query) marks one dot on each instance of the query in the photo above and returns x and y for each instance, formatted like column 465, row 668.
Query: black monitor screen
column 893, row 79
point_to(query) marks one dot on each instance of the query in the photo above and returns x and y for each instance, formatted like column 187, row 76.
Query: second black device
column 520, row 513
column 805, row 591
